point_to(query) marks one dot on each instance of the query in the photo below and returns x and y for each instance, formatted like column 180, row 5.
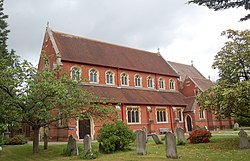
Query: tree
column 6, row 58
column 230, row 96
column 3, row 32
column 224, row 4
column 40, row 99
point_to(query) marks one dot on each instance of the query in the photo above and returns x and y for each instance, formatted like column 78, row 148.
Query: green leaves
column 230, row 96
column 224, row 4
column 37, row 97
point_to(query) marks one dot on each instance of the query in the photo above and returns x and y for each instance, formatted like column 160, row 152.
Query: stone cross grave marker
column 72, row 146
column 87, row 144
column 156, row 139
column 180, row 136
column 141, row 142
column 171, row 150
column 244, row 143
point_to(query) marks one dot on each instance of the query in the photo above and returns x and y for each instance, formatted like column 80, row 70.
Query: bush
column 3, row 140
column 114, row 137
column 200, row 135
column 17, row 140
column 242, row 121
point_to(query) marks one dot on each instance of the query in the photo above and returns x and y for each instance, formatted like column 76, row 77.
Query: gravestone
column 87, row 144
column 236, row 126
column 146, row 131
column 1, row 150
column 180, row 136
column 244, row 143
column 72, row 146
column 141, row 142
column 171, row 150
column 156, row 139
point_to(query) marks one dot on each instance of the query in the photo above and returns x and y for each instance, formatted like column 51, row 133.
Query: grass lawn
column 221, row 148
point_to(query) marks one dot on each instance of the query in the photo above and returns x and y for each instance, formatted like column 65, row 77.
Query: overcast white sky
column 182, row 32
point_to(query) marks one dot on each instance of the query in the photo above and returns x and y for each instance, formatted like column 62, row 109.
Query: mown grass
column 222, row 148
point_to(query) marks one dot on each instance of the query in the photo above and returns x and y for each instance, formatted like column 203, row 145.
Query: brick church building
column 152, row 93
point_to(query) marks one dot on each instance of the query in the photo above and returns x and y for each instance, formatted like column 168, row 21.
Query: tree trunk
column 36, row 140
column 45, row 137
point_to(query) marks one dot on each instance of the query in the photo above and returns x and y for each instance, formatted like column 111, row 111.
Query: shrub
column 17, row 140
column 200, row 135
column 3, row 140
column 243, row 121
column 114, row 137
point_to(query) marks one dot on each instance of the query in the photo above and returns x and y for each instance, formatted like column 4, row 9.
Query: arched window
column 124, row 79
column 93, row 76
column 150, row 82
column 161, row 83
column 138, row 81
column 172, row 84
column 75, row 73
column 109, row 77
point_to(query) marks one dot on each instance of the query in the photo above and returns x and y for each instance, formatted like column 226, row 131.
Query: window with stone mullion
column 137, row 81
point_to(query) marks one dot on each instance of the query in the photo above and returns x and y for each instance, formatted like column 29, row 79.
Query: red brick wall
column 117, row 72
column 188, row 88
column 48, row 51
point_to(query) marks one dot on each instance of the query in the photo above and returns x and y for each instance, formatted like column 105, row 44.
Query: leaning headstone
column 146, row 131
column 156, row 139
column 171, row 150
column 141, row 142
column 244, row 143
column 72, row 146
column 87, row 145
column 1, row 150
column 236, row 126
column 180, row 136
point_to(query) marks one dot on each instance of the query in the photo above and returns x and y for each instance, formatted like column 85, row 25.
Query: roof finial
column 192, row 62
column 47, row 24
column 158, row 51
column 209, row 77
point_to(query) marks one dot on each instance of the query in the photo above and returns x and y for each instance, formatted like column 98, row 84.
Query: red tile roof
column 202, row 83
column 185, row 70
column 190, row 102
column 82, row 50
column 137, row 96
column 190, row 71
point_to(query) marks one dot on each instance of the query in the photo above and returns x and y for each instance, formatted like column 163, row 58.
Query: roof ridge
column 180, row 63
column 190, row 66
column 204, row 78
column 103, row 42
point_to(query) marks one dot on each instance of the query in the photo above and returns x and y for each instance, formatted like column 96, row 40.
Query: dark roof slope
column 190, row 71
column 203, row 84
column 185, row 70
column 190, row 102
column 137, row 96
column 82, row 50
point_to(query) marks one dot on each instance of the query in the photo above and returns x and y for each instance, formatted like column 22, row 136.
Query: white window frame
column 171, row 84
column 113, row 77
column 136, row 77
column 80, row 72
column 152, row 80
column 177, row 111
column 97, row 75
column 203, row 114
column 139, row 114
column 166, row 114
column 121, row 79
column 163, row 83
